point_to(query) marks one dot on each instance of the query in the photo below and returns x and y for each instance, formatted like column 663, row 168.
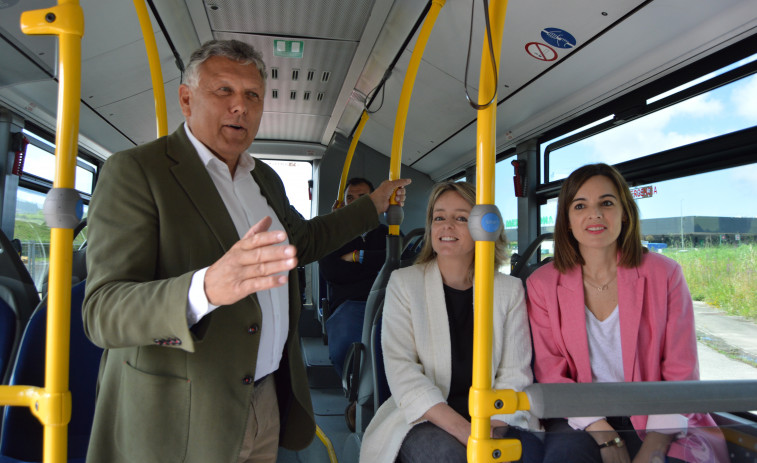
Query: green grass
column 723, row 276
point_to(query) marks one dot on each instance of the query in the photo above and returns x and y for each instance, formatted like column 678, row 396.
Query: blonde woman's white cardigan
column 416, row 343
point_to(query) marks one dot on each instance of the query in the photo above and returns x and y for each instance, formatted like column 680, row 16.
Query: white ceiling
column 356, row 41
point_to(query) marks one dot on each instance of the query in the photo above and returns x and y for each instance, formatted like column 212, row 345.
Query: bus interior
column 665, row 90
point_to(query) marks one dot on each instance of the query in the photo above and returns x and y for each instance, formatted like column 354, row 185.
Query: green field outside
column 723, row 276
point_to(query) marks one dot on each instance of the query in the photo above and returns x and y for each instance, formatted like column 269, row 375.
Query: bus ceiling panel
column 618, row 61
column 308, row 84
column 37, row 103
column 125, row 72
column 440, row 86
column 623, row 60
column 290, row 151
column 380, row 47
column 292, row 127
column 186, row 31
column 537, row 35
column 39, row 49
column 437, row 108
column 315, row 19
column 135, row 115
column 22, row 69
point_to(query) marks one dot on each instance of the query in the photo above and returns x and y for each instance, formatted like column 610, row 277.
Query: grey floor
column 328, row 404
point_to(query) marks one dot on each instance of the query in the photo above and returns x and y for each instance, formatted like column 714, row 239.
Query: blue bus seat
column 364, row 378
column 7, row 335
column 18, row 291
column 22, row 433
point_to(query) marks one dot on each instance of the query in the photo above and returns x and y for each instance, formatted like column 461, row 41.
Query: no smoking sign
column 541, row 51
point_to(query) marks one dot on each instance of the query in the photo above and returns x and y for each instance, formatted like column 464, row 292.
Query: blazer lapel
column 631, row 289
column 196, row 182
column 570, row 297
column 439, row 329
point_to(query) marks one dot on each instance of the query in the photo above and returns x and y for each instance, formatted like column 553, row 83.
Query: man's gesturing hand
column 251, row 265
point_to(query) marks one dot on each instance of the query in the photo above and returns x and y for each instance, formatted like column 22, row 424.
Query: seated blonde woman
column 427, row 340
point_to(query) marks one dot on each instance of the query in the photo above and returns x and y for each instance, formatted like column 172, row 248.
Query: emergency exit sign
column 288, row 48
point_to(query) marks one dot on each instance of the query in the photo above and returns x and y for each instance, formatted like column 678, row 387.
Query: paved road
column 720, row 334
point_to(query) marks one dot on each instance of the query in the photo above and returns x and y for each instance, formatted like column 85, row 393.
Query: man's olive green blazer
column 168, row 393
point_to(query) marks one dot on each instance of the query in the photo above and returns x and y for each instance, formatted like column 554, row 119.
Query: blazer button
column 253, row 329
column 247, row 380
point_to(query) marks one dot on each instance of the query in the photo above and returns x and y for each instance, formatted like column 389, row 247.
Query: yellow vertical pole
column 395, row 162
column 486, row 144
column 156, row 73
column 66, row 20
column 350, row 153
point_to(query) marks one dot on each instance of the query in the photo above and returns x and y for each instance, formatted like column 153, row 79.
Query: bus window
column 719, row 111
column 295, row 175
column 34, row 233
column 706, row 224
column 505, row 200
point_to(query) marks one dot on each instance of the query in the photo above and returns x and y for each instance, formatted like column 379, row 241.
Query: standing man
column 191, row 289
column 350, row 272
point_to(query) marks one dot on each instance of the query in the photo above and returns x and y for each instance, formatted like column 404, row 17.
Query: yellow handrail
column 485, row 402
column 350, row 153
column 395, row 162
column 52, row 404
column 156, row 73
column 327, row 443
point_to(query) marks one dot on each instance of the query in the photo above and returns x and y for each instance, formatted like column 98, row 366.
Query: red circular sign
column 541, row 51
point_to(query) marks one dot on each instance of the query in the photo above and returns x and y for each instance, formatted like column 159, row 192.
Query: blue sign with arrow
column 558, row 37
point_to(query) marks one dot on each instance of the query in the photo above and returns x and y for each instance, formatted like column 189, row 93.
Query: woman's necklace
column 602, row 287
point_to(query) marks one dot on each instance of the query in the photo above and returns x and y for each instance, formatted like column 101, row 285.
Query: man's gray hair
column 231, row 49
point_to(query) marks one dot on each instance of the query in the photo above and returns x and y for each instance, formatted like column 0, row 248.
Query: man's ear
column 185, row 96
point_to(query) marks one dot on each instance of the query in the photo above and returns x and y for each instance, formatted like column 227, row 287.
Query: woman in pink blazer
column 606, row 310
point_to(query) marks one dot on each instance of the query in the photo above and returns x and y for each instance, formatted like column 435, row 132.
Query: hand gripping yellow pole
column 52, row 405
column 407, row 90
column 350, row 153
column 156, row 73
column 485, row 402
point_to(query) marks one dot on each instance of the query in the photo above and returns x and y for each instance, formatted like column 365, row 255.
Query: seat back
column 7, row 335
column 366, row 402
column 380, row 384
column 22, row 432
column 520, row 266
column 18, row 291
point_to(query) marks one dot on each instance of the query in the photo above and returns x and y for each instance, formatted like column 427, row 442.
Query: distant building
column 696, row 230
column 699, row 231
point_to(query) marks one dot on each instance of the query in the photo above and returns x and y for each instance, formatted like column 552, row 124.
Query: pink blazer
column 658, row 338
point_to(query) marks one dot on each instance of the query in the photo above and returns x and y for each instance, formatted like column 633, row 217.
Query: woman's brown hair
column 567, row 254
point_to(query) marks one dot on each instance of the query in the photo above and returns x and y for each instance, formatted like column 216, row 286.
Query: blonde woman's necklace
column 600, row 288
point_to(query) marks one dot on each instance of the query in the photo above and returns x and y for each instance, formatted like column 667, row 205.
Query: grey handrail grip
column 641, row 398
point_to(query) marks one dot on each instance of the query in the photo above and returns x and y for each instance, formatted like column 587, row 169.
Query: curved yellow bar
column 66, row 20
column 398, row 138
column 326, row 442
column 156, row 73
column 481, row 448
column 350, row 153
